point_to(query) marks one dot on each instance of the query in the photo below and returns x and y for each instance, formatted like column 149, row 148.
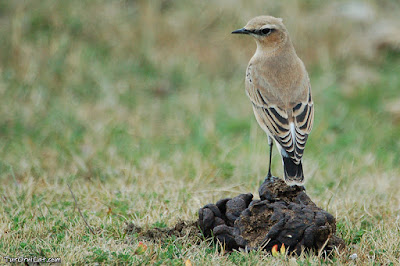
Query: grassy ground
column 140, row 107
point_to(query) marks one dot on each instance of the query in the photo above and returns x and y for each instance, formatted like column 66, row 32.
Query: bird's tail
column 293, row 172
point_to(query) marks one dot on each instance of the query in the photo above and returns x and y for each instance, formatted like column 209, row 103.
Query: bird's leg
column 270, row 143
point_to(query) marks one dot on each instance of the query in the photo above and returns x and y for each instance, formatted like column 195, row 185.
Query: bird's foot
column 269, row 177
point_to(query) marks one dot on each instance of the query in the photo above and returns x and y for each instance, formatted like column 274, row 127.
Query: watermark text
column 31, row 259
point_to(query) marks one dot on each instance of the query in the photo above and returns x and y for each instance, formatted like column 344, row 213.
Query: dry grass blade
column 79, row 210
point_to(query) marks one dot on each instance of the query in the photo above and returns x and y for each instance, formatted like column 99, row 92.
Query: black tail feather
column 293, row 172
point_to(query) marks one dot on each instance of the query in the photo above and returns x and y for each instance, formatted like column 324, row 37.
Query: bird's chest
column 251, row 88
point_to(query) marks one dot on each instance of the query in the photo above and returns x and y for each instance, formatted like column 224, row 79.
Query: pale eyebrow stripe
column 268, row 26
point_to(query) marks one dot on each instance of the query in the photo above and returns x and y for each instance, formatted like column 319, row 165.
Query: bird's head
column 269, row 32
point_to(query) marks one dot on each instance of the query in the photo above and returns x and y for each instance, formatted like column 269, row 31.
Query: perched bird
column 279, row 89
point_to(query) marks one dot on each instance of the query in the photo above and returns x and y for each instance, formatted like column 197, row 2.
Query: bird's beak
column 241, row 31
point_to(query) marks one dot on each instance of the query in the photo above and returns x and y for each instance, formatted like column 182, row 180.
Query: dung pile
column 283, row 215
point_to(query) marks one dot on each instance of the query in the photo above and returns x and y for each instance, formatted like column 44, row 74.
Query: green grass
column 140, row 107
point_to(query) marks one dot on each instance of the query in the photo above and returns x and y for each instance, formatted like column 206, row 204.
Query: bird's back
column 282, row 80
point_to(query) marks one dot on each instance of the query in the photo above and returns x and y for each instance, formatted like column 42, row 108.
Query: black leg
column 270, row 156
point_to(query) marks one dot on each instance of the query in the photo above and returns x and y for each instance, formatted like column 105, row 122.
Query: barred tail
column 293, row 172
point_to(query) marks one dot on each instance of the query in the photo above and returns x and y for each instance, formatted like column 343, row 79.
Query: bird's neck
column 265, row 51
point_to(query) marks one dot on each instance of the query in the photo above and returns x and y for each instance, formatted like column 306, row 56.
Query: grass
column 140, row 107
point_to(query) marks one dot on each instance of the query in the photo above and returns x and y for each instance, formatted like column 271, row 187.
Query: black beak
column 241, row 31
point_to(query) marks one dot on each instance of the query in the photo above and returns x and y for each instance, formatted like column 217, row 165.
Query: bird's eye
column 266, row 31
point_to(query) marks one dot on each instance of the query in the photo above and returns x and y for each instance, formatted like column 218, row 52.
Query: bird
column 278, row 86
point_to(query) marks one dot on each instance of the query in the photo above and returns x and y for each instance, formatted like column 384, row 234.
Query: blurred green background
column 89, row 89
column 123, row 80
